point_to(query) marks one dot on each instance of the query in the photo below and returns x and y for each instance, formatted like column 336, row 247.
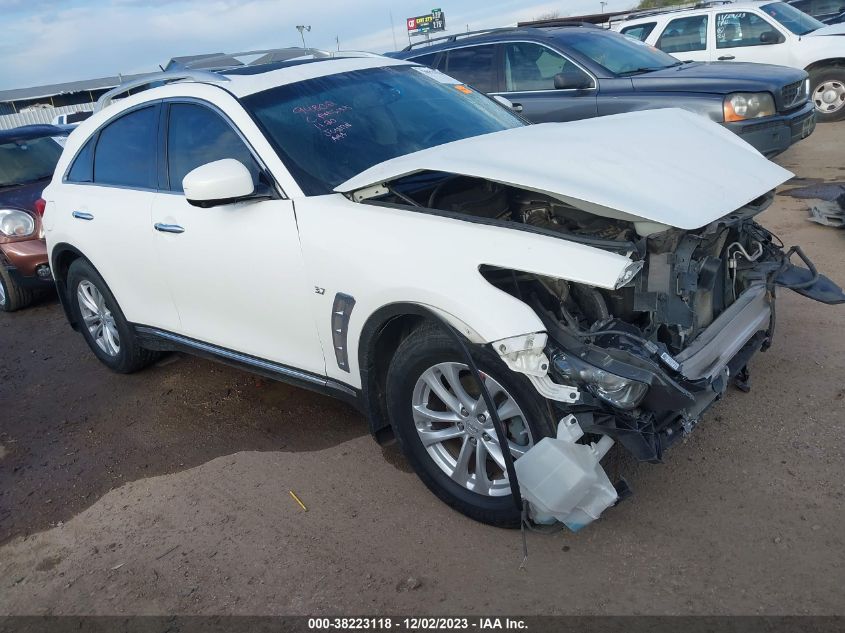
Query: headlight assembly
column 748, row 105
column 623, row 393
column 16, row 223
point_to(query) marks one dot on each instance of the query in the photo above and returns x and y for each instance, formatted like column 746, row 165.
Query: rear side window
column 684, row 34
column 126, row 150
column 197, row 135
column 474, row 65
column 82, row 169
column 639, row 31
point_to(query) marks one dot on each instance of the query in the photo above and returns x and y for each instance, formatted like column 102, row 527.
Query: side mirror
column 503, row 101
column 221, row 182
column 573, row 80
column 770, row 37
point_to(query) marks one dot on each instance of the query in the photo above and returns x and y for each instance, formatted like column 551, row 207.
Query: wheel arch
column 826, row 63
column 61, row 258
column 381, row 335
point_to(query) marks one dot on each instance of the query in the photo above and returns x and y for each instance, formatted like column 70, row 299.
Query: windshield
column 27, row 161
column 618, row 54
column 794, row 19
column 331, row 128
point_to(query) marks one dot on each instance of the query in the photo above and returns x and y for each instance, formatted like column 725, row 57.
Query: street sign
column 434, row 21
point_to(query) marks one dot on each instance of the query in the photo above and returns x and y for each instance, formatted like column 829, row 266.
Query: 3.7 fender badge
column 319, row 291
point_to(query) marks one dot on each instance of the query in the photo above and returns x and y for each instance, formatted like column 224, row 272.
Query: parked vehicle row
column 576, row 72
column 766, row 32
column 474, row 284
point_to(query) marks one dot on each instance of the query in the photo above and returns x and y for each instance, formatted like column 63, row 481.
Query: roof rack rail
column 633, row 15
column 455, row 36
column 157, row 78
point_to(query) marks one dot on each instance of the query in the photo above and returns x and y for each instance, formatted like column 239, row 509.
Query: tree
column 656, row 4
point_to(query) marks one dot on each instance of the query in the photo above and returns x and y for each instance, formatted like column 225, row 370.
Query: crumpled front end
column 640, row 364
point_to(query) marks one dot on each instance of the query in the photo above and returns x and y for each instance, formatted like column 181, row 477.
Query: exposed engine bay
column 688, row 278
column 651, row 355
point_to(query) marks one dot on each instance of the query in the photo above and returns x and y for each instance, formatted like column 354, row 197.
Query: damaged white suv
column 375, row 230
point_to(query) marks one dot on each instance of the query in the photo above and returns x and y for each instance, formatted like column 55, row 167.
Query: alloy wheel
column 98, row 318
column 2, row 295
column 829, row 96
column 455, row 427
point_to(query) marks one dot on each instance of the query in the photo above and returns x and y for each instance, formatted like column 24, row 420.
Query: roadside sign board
column 434, row 21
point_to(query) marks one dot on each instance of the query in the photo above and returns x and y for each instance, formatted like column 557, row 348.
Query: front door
column 529, row 82
column 235, row 271
column 745, row 36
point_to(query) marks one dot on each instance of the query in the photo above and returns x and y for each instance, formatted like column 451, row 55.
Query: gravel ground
column 167, row 491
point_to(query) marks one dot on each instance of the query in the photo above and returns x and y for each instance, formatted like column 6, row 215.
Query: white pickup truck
column 764, row 32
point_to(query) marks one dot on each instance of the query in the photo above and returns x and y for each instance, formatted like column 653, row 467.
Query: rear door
column 529, row 71
column 108, row 192
column 477, row 66
column 686, row 38
column 235, row 271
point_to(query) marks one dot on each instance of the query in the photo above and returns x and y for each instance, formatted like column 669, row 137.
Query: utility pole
column 393, row 30
column 302, row 28
column 603, row 5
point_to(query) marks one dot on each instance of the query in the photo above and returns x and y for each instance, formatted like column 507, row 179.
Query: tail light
column 39, row 207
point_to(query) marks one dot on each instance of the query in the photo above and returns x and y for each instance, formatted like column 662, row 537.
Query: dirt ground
column 167, row 491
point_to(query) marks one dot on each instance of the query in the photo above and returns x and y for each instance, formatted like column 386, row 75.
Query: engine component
column 563, row 480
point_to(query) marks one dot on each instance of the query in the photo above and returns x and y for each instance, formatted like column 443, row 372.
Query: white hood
column 666, row 166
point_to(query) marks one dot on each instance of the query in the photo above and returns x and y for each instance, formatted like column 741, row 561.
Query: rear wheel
column 828, row 93
column 102, row 322
column 445, row 429
column 12, row 296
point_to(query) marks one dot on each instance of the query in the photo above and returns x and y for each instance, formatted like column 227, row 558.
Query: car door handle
column 517, row 107
column 727, row 58
column 168, row 228
column 81, row 215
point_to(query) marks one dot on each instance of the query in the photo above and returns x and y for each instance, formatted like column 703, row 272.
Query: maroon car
column 28, row 156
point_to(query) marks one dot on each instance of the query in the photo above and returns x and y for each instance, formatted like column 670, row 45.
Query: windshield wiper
column 640, row 71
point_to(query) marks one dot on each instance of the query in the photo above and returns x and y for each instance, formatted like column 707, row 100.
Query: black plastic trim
column 162, row 340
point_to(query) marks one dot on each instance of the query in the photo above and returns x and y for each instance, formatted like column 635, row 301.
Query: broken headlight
column 623, row 393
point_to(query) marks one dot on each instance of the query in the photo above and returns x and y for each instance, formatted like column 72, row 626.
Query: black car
column 565, row 73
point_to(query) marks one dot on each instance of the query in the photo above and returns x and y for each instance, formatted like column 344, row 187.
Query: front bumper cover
column 775, row 134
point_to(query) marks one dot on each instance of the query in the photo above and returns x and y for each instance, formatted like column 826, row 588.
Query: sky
column 54, row 41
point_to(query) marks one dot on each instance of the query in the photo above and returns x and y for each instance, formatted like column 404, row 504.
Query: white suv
column 372, row 229
column 763, row 32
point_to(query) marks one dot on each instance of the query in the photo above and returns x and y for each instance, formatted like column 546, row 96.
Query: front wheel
column 445, row 430
column 102, row 322
column 828, row 93
column 12, row 296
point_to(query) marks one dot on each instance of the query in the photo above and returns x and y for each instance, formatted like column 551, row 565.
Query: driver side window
column 195, row 136
column 742, row 29
column 533, row 67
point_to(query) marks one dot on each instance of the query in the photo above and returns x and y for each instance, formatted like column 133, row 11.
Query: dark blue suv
column 564, row 73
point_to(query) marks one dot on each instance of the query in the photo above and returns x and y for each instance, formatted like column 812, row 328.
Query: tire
column 12, row 296
column 827, row 91
column 102, row 322
column 428, row 354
